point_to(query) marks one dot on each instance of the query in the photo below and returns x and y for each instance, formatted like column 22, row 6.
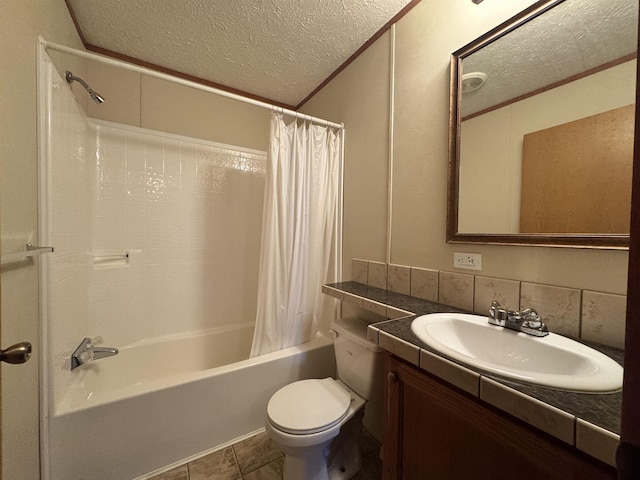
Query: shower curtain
column 299, row 217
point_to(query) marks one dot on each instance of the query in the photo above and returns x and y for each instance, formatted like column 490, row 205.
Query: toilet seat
column 308, row 406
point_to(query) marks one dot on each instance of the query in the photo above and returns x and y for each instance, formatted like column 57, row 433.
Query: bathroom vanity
column 435, row 430
column 448, row 420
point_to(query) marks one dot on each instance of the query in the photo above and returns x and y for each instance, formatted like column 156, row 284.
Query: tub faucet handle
column 88, row 352
column 86, row 356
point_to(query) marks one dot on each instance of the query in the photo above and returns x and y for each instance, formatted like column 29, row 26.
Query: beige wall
column 359, row 97
column 20, row 24
column 424, row 41
column 147, row 102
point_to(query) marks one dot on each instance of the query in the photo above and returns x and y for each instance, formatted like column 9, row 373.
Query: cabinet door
column 435, row 431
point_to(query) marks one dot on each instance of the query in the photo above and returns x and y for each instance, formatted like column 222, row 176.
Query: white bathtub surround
column 299, row 232
column 157, row 241
column 154, row 234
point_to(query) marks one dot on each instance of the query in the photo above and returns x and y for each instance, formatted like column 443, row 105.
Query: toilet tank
column 359, row 362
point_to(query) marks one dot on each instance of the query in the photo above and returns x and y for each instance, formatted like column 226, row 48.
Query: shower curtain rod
column 152, row 73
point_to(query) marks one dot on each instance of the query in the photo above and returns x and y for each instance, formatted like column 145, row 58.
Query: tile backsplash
column 593, row 316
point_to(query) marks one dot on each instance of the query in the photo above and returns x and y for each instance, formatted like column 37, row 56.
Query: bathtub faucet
column 88, row 352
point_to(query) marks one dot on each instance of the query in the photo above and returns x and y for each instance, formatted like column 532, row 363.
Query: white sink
column 553, row 361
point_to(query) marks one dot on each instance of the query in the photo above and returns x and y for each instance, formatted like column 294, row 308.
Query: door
column 19, row 421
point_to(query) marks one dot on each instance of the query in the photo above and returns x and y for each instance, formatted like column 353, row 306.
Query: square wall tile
column 559, row 307
column 375, row 307
column 546, row 417
column 352, row 299
column 397, row 346
column 456, row 290
column 455, row 374
column 603, row 318
column 424, row 283
column 372, row 334
column 487, row 289
column 377, row 275
column 332, row 292
column 395, row 313
column 597, row 441
column 359, row 270
column 399, row 279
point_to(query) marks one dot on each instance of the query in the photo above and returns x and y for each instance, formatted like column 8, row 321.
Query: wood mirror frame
column 601, row 241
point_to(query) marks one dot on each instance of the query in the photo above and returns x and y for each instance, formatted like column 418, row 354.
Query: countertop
column 590, row 422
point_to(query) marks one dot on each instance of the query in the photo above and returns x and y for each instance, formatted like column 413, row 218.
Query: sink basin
column 553, row 361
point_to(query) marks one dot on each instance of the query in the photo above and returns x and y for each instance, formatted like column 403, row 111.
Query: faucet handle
column 86, row 356
column 497, row 312
column 531, row 318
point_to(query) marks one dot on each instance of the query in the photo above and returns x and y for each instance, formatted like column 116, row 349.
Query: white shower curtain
column 299, row 217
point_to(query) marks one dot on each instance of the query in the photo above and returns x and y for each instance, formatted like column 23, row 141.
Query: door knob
column 18, row 353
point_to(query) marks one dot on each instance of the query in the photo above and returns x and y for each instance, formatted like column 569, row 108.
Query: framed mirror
column 541, row 133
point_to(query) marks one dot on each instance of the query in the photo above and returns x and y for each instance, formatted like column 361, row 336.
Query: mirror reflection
column 544, row 124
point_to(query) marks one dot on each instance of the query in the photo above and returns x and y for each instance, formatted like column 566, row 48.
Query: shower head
column 94, row 95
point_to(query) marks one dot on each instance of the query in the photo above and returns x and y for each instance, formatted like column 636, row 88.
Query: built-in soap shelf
column 111, row 260
column 29, row 252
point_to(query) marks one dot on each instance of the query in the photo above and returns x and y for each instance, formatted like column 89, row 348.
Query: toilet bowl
column 317, row 422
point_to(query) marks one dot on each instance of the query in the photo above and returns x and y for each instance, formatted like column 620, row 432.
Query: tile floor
column 258, row 458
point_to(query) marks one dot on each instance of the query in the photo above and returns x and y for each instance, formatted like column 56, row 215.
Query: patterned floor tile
column 179, row 473
column 256, row 452
column 220, row 465
column 258, row 458
column 271, row 471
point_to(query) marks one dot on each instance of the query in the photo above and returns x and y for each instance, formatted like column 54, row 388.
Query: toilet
column 317, row 423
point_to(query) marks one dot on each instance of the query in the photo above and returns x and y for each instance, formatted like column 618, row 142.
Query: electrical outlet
column 470, row 261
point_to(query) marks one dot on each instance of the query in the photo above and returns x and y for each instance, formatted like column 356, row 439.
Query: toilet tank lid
column 355, row 329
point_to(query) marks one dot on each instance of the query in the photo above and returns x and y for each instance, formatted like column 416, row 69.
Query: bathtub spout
column 102, row 352
column 88, row 352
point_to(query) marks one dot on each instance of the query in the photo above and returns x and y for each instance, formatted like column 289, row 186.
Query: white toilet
column 317, row 423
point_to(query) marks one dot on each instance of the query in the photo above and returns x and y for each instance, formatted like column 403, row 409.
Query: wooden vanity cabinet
column 435, row 431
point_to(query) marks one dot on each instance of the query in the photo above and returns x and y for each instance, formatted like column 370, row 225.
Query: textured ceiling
column 569, row 39
column 276, row 49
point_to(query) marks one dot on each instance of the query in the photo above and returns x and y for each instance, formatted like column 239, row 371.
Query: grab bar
column 106, row 258
column 111, row 260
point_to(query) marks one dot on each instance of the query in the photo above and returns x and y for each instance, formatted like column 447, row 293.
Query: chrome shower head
column 96, row 97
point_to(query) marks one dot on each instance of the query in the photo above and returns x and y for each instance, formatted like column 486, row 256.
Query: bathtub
column 161, row 403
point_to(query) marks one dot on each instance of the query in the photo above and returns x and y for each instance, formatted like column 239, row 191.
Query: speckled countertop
column 593, row 420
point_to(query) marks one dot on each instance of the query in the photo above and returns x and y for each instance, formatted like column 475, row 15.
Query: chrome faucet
column 527, row 321
column 88, row 352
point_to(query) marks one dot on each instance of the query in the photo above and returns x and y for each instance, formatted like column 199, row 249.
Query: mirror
column 541, row 132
